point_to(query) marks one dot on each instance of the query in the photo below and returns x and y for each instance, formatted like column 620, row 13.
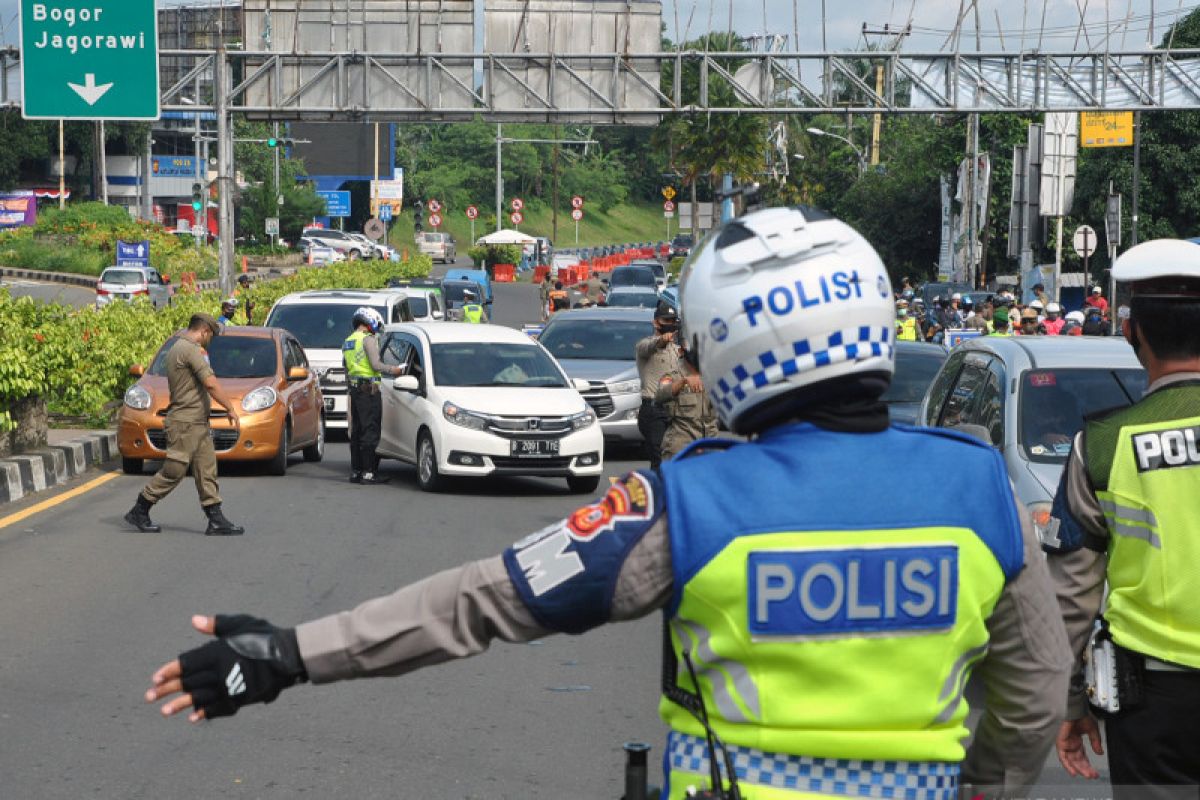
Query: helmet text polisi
column 783, row 300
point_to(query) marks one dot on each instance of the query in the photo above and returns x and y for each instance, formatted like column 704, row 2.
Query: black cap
column 665, row 311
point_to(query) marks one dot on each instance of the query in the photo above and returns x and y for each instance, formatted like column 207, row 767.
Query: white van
column 321, row 320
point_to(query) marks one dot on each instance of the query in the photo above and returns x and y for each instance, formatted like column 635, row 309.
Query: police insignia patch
column 628, row 499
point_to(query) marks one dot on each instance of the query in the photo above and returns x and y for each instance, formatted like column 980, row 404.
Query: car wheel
column 428, row 477
column 132, row 466
column 316, row 451
column 278, row 464
column 583, row 484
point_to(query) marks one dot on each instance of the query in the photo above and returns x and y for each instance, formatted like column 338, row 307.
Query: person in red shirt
column 1096, row 300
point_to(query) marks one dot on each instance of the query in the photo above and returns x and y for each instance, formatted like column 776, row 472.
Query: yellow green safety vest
column 1000, row 333
column 1144, row 462
column 472, row 312
column 908, row 330
column 824, row 629
column 354, row 356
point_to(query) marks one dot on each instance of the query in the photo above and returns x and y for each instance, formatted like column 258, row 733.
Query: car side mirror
column 437, row 314
column 297, row 373
column 580, row 384
column 137, row 371
column 406, row 383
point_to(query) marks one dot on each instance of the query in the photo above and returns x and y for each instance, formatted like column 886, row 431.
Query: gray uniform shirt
column 1079, row 575
column 371, row 348
column 458, row 612
column 655, row 358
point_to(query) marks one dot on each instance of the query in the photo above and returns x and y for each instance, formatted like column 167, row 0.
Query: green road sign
column 89, row 59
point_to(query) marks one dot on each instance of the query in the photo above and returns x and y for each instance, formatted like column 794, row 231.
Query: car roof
column 342, row 296
column 254, row 332
column 453, row 332
column 135, row 267
column 1059, row 351
column 931, row 348
column 600, row 312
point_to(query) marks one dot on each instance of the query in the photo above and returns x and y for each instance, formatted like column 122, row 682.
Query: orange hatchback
column 264, row 371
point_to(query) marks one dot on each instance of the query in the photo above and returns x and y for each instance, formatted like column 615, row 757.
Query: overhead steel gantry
column 628, row 88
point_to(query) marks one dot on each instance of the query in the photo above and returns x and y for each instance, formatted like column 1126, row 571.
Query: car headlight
column 1044, row 525
column 625, row 387
column 137, row 397
column 261, row 398
column 583, row 420
column 460, row 416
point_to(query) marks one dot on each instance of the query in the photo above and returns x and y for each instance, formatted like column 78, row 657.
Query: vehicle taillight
column 102, row 291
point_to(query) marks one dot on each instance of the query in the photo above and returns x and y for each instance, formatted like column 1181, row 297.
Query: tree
column 256, row 162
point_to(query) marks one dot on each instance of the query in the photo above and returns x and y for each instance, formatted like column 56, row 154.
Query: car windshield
column 494, row 364
column 683, row 241
column 230, row 356
column 124, row 277
column 1054, row 403
column 595, row 339
column 642, row 276
column 318, row 324
column 419, row 305
column 453, row 292
column 658, row 269
column 632, row 300
column 914, row 372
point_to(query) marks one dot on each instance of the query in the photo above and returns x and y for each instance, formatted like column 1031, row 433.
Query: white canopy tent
column 506, row 236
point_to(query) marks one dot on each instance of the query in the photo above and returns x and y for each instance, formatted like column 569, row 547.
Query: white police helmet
column 1164, row 267
column 785, row 307
column 368, row 316
column 1053, row 308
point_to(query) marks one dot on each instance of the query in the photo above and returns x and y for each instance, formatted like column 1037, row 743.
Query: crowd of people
column 998, row 314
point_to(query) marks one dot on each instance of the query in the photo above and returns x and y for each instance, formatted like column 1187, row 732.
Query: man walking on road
column 189, row 437
column 1127, row 515
column 656, row 355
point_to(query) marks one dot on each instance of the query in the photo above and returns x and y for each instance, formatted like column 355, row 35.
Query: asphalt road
column 89, row 608
column 50, row 292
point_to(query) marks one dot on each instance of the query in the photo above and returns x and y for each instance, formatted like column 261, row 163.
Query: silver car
column 597, row 345
column 1028, row 396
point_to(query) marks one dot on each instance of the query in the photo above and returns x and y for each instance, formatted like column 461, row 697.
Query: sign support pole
column 62, row 169
column 224, row 168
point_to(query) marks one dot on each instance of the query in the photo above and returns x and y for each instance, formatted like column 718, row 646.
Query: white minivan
column 321, row 320
column 483, row 400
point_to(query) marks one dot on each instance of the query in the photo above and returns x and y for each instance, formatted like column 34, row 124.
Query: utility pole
column 103, row 166
column 225, row 179
column 499, row 177
column 501, row 140
column 896, row 36
column 278, row 188
column 62, row 168
column 554, row 192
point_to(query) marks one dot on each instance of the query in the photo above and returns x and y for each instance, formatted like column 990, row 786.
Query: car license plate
column 534, row 448
column 328, row 403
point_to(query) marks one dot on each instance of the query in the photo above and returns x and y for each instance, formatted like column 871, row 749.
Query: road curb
column 29, row 473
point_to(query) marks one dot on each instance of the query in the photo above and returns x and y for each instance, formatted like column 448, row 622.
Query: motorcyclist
column 789, row 601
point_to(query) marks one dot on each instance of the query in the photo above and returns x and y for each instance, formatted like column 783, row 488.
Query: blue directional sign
column 134, row 254
column 385, row 213
column 337, row 202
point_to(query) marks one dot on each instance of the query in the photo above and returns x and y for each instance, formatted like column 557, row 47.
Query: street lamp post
column 862, row 159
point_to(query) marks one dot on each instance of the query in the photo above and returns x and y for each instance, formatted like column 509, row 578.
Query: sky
column 1009, row 25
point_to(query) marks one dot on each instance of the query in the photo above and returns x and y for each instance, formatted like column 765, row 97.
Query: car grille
column 510, row 462
column 222, row 439
column 599, row 399
column 333, row 381
column 526, row 427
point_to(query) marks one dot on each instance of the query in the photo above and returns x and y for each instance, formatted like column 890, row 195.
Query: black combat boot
column 218, row 525
column 139, row 516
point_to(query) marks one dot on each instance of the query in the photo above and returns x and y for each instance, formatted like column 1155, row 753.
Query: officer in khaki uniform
column 189, row 438
column 656, row 356
column 690, row 413
column 1127, row 516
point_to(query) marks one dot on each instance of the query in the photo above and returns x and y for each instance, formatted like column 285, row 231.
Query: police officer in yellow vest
column 360, row 354
column 1128, row 512
column 824, row 640
column 472, row 311
column 906, row 326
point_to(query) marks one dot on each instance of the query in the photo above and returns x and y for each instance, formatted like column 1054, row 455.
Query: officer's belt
column 853, row 777
column 1154, row 665
column 358, row 381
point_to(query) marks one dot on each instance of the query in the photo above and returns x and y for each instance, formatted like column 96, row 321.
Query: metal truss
column 631, row 88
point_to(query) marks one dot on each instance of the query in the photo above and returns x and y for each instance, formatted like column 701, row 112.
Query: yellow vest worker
column 1127, row 514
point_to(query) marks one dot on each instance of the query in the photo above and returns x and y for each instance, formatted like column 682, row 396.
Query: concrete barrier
column 38, row 470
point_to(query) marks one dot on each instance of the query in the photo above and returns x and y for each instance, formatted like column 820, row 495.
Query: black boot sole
column 224, row 531
column 151, row 528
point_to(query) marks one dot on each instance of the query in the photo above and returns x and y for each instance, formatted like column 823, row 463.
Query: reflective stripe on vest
column 795, row 613
column 1149, row 497
column 354, row 356
column 472, row 313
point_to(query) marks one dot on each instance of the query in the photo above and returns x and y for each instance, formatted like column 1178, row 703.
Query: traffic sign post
column 434, row 206
column 668, row 192
column 1084, row 242
column 517, row 204
column 576, row 201
column 435, row 220
column 271, row 225
column 577, row 214
column 516, row 217
column 472, row 213
column 385, row 212
column 95, row 60
column 668, row 212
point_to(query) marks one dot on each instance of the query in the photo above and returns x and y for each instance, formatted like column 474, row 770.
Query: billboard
column 17, row 209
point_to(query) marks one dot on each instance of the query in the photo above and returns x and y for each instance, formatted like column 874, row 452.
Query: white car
column 482, row 400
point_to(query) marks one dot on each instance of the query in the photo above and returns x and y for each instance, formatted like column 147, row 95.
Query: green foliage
column 79, row 359
column 491, row 254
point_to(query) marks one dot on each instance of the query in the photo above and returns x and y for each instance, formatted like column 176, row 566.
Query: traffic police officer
column 690, row 413
column 360, row 353
column 191, row 382
column 656, row 356
column 471, row 309
column 1128, row 512
column 790, row 601
column 906, row 326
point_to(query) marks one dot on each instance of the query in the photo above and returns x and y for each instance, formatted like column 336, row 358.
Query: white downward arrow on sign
column 90, row 92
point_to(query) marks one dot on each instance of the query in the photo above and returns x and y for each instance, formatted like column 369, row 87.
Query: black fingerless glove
column 250, row 661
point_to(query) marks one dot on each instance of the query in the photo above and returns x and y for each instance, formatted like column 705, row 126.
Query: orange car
column 262, row 369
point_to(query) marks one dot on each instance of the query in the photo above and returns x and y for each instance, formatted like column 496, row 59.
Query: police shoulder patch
column 565, row 573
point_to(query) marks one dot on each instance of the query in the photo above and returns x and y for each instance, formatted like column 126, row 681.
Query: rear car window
column 124, row 277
